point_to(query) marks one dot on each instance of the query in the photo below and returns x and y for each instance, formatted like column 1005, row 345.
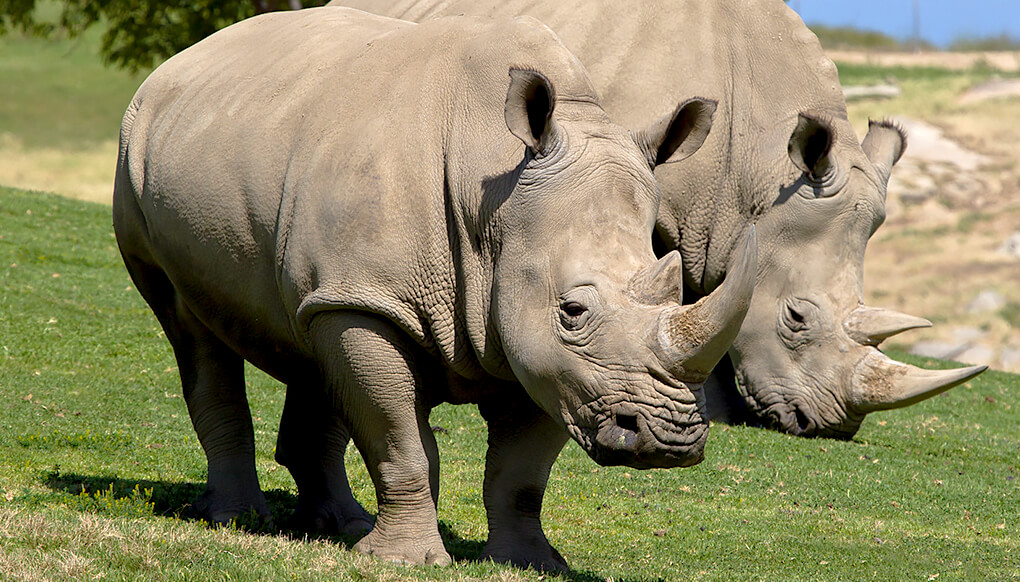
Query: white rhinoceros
column 377, row 215
column 782, row 155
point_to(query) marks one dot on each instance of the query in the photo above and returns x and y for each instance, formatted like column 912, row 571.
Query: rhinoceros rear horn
column 880, row 383
column 870, row 326
column 529, row 108
column 695, row 337
column 679, row 134
column 660, row 283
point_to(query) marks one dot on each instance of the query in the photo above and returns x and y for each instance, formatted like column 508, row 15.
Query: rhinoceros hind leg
column 212, row 376
column 370, row 364
column 311, row 444
column 523, row 445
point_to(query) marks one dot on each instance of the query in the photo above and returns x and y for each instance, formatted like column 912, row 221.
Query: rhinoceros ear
column 811, row 145
column 529, row 108
column 678, row 135
column 884, row 145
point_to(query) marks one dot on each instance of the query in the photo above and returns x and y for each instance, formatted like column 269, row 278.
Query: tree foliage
column 137, row 33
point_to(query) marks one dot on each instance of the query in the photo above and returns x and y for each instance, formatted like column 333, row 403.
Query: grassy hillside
column 100, row 462
column 60, row 111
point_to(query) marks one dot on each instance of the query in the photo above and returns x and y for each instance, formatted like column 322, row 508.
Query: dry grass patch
column 85, row 174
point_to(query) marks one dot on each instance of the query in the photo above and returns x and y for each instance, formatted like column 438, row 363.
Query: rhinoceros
column 385, row 216
column 782, row 155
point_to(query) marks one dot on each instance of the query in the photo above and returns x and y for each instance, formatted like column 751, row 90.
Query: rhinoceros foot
column 539, row 555
column 331, row 517
column 424, row 549
column 220, row 509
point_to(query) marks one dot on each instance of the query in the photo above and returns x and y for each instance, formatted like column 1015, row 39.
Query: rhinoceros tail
column 125, row 127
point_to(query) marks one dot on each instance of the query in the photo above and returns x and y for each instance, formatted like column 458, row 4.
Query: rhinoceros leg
column 370, row 365
column 212, row 376
column 523, row 445
column 311, row 444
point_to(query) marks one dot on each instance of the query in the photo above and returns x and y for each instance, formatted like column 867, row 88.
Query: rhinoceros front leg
column 523, row 445
column 370, row 365
column 311, row 444
column 212, row 376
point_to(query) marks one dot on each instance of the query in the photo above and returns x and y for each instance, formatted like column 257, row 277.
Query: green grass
column 869, row 74
column 58, row 94
column 100, row 464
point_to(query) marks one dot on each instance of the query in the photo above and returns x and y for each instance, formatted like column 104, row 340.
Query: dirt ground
column 950, row 247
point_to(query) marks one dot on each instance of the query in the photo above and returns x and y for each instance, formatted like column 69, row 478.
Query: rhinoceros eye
column 573, row 315
column 794, row 319
column 798, row 315
column 578, row 306
column 573, row 309
column 800, row 322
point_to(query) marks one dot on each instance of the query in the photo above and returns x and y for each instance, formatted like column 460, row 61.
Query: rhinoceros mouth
column 783, row 410
column 643, row 436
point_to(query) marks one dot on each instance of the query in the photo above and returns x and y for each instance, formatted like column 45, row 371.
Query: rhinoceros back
column 755, row 57
column 297, row 162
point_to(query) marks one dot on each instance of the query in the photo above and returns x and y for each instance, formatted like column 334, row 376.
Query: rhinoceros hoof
column 546, row 558
column 332, row 519
column 416, row 552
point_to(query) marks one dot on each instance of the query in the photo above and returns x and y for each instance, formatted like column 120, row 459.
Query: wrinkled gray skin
column 782, row 155
column 378, row 216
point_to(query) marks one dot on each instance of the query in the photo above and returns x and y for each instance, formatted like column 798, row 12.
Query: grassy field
column 99, row 460
column 60, row 111
column 100, row 463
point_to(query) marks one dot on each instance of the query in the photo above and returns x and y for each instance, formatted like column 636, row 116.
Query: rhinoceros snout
column 626, row 439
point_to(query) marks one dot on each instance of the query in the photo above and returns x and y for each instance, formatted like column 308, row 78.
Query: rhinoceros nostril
column 803, row 422
column 614, row 437
column 627, row 422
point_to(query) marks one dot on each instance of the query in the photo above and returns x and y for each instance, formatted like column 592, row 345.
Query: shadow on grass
column 165, row 498
column 132, row 497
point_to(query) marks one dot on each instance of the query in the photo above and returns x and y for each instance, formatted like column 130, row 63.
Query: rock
column 915, row 197
column 1012, row 245
column 912, row 186
column 978, row 354
column 1010, row 359
column 967, row 334
column 855, row 92
column 938, row 349
column 987, row 300
column 996, row 89
column 929, row 145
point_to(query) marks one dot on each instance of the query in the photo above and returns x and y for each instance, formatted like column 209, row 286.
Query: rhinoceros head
column 590, row 321
column 806, row 360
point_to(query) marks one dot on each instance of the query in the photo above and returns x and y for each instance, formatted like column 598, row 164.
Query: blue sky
column 942, row 21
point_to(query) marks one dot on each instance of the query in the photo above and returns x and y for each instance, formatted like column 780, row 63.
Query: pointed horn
column 871, row 325
column 695, row 337
column 880, row 383
column 661, row 282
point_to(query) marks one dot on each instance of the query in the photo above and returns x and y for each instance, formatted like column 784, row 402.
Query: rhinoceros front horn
column 871, row 325
column 880, row 383
column 694, row 338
